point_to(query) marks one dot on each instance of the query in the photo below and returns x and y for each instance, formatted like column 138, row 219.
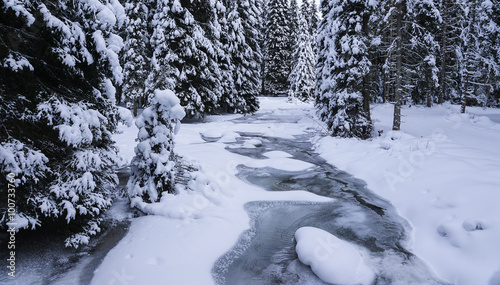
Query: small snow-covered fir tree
column 153, row 165
column 59, row 70
column 342, row 67
column 302, row 78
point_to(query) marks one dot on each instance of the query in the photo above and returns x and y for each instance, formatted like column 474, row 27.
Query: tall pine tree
column 343, row 65
column 278, row 49
column 136, row 54
column 303, row 76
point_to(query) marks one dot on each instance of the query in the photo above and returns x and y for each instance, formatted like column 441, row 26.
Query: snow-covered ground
column 441, row 172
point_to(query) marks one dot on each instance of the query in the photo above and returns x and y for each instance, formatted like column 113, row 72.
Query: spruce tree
column 302, row 78
column 249, row 89
column 229, row 100
column 479, row 64
column 136, row 54
column 278, row 59
column 59, row 71
column 448, row 36
column 305, row 10
column 206, row 14
column 293, row 18
column 184, row 59
column 313, row 20
column 343, row 65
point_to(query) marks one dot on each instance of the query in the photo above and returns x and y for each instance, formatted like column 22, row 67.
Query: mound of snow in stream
column 332, row 259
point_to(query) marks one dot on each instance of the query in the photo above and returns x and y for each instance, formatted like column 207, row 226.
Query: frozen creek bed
column 266, row 253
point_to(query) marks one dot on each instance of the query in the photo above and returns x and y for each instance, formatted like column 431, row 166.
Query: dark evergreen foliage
column 58, row 66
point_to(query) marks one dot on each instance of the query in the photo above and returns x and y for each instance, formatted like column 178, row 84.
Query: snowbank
column 332, row 259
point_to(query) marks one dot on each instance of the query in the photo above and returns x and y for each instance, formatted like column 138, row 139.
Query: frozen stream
column 265, row 254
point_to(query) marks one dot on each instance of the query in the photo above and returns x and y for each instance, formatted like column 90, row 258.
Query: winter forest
column 250, row 142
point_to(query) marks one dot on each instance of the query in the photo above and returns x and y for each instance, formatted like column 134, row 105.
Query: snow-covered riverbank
column 442, row 172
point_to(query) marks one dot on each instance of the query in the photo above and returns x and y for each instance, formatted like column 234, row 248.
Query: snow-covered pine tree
column 305, row 10
column 303, row 76
column 206, row 14
column 293, row 18
column 243, row 49
column 136, row 54
column 278, row 65
column 228, row 101
column 263, row 45
column 183, row 58
column 448, row 36
column 410, row 49
column 422, row 30
column 493, row 54
column 314, row 23
column 251, row 59
column 59, row 65
column 479, row 64
column 152, row 168
column 343, row 65
column 233, row 38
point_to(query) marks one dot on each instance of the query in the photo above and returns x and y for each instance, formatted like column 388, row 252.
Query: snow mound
column 252, row 143
column 277, row 154
column 211, row 135
column 332, row 259
column 229, row 137
column 471, row 225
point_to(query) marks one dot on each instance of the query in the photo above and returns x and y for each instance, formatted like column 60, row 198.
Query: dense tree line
column 205, row 51
column 404, row 52
column 284, row 69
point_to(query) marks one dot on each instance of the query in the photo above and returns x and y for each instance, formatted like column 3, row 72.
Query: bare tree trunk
column 396, row 125
column 135, row 107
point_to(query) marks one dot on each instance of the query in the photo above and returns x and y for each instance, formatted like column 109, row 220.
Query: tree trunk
column 396, row 125
column 468, row 59
column 444, row 42
column 135, row 107
column 366, row 87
